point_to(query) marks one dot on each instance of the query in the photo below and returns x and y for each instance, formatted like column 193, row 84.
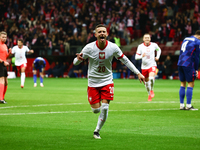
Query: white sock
column 151, row 80
column 22, row 78
column 188, row 105
column 182, row 105
column 102, row 117
column 147, row 85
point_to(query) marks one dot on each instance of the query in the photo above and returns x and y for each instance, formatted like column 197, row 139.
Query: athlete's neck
column 146, row 44
column 101, row 45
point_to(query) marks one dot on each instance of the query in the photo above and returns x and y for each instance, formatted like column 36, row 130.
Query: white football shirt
column 100, row 62
column 149, row 60
column 20, row 54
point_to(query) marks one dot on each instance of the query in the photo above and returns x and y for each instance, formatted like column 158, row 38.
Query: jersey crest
column 101, row 55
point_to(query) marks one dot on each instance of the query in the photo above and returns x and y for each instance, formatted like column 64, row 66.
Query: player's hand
column 79, row 56
column 10, row 50
column 32, row 51
column 144, row 54
column 141, row 78
column 197, row 73
column 6, row 63
column 156, row 59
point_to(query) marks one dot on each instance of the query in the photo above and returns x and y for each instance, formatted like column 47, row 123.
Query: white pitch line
column 43, row 105
column 66, row 112
column 62, row 104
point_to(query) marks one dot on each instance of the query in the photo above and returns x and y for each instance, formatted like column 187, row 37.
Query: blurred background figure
column 168, row 70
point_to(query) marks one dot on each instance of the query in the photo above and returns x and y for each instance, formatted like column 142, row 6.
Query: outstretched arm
column 131, row 66
column 78, row 59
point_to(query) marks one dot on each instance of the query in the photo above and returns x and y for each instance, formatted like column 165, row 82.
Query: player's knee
column 105, row 106
column 96, row 110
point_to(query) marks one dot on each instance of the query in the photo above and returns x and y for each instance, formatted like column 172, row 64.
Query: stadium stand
column 61, row 28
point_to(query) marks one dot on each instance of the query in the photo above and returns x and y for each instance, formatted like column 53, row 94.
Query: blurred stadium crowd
column 59, row 26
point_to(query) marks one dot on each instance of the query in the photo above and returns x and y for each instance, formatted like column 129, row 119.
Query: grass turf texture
column 59, row 116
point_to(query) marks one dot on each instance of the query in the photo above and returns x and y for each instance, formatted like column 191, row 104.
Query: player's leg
column 145, row 73
column 182, row 87
column 190, row 75
column 107, row 93
column 1, row 82
column 103, row 115
column 41, row 76
column 182, row 95
column 35, row 78
column 34, row 75
column 189, row 93
column 5, row 87
column 5, row 82
column 94, row 100
column 2, row 89
column 23, row 76
column 148, row 88
column 152, row 73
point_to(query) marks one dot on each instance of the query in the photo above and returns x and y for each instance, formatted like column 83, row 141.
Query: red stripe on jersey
column 138, row 54
column 121, row 56
column 104, row 46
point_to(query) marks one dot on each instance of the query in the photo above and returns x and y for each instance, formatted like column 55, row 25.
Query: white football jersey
column 149, row 60
column 100, row 62
column 20, row 54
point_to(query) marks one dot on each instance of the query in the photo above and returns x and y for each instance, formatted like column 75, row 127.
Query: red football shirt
column 3, row 51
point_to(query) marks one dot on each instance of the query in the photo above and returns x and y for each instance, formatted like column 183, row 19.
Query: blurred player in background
column 188, row 68
column 20, row 58
column 38, row 64
column 3, row 64
column 146, row 52
column 100, row 80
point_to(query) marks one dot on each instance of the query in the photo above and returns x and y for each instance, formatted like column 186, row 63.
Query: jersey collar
column 21, row 47
column 146, row 45
column 104, row 46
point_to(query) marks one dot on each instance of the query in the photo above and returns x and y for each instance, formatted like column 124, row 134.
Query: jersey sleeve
column 138, row 54
column 13, row 50
column 118, row 53
column 158, row 50
column 196, row 63
column 86, row 53
column 27, row 49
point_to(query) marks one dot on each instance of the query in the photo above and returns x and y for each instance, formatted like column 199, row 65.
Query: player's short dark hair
column 41, row 62
column 21, row 40
column 197, row 32
column 100, row 25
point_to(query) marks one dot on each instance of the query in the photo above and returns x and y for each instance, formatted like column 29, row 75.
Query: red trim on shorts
column 22, row 66
column 145, row 72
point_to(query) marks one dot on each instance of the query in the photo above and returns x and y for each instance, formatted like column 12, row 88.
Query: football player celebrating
column 100, row 80
column 146, row 52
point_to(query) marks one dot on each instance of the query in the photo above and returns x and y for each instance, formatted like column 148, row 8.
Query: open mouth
column 102, row 38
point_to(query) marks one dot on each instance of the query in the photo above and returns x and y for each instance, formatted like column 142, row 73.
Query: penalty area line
column 66, row 112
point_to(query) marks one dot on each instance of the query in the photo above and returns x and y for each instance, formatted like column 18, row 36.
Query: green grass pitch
column 58, row 117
